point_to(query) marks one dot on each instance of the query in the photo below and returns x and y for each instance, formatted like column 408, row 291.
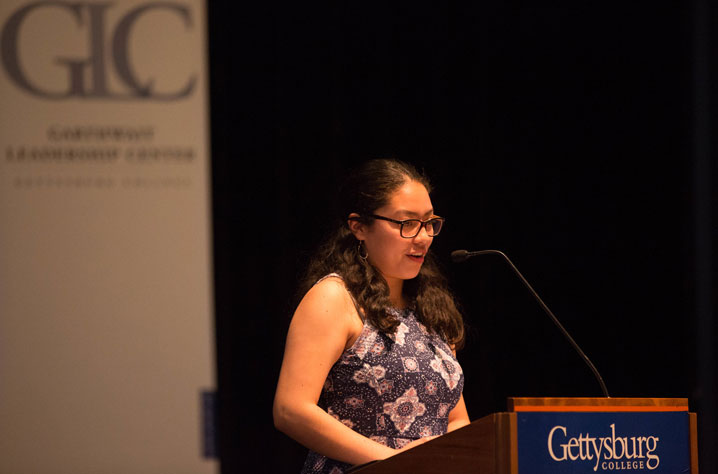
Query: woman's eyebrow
column 413, row 214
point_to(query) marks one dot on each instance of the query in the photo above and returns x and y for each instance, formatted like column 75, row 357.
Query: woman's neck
column 396, row 292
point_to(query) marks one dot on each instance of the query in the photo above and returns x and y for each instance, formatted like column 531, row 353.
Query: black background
column 575, row 138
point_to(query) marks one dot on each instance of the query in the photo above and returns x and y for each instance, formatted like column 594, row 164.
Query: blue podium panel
column 579, row 442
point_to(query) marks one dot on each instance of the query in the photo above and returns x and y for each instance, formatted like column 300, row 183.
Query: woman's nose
column 423, row 233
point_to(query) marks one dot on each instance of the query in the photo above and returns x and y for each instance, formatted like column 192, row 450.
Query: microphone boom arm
column 461, row 255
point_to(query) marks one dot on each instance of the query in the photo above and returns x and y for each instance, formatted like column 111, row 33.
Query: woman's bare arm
column 324, row 323
column 458, row 416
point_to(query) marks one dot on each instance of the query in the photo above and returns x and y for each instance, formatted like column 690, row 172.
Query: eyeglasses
column 410, row 228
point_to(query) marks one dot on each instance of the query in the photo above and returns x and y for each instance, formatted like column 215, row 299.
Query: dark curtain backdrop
column 575, row 138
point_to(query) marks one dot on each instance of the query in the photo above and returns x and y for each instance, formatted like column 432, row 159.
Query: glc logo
column 88, row 77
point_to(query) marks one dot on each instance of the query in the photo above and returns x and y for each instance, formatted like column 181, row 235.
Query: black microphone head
column 458, row 256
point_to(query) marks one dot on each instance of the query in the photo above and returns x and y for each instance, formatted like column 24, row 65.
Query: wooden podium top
column 555, row 404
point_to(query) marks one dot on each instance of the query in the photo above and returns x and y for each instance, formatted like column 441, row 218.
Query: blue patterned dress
column 392, row 389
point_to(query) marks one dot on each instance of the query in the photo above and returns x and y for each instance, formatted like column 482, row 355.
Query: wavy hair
column 366, row 189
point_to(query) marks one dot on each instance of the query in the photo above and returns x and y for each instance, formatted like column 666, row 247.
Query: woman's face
column 394, row 256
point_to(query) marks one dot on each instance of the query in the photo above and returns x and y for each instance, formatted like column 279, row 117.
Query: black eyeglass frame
column 423, row 224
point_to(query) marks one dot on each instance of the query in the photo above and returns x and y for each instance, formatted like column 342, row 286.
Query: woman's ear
column 356, row 227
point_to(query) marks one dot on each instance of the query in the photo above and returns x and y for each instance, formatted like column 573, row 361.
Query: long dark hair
column 366, row 189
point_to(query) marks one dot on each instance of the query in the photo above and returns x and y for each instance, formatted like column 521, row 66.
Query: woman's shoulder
column 329, row 294
column 331, row 277
column 329, row 304
column 331, row 285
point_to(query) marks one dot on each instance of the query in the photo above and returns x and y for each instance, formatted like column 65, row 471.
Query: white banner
column 105, row 278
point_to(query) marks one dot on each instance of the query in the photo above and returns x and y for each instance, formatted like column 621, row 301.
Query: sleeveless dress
column 393, row 389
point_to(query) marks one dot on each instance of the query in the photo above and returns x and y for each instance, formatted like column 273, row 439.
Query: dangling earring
column 361, row 245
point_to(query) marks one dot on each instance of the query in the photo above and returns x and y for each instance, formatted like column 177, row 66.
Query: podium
column 561, row 435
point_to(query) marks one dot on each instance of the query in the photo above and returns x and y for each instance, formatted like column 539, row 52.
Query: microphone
column 461, row 255
column 458, row 256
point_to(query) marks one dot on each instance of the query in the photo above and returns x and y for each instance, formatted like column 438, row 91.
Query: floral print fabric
column 393, row 389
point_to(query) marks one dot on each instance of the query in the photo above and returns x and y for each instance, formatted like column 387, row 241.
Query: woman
column 369, row 366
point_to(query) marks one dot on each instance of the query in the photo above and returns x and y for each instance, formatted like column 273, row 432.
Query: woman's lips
column 416, row 258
